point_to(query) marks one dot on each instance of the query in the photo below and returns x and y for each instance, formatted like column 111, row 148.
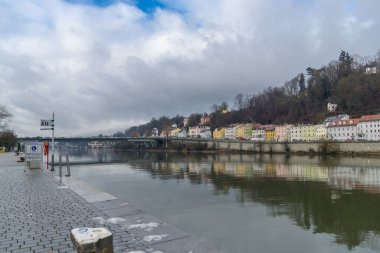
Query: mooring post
column 52, row 162
column 60, row 165
column 94, row 240
column 68, row 166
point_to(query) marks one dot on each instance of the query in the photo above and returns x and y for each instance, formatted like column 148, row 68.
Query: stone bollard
column 92, row 240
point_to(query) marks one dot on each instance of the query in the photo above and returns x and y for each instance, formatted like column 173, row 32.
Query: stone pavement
column 37, row 213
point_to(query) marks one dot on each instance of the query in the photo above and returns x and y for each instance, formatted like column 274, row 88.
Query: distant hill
column 353, row 83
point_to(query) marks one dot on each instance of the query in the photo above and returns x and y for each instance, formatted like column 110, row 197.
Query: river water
column 249, row 203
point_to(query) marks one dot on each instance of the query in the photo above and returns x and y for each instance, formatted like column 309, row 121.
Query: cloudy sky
column 104, row 65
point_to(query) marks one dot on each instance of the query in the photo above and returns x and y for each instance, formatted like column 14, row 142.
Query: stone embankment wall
column 276, row 147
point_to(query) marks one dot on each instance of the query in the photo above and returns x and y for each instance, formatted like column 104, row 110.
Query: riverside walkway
column 38, row 211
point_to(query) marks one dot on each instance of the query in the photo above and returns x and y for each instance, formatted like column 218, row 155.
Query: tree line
column 301, row 100
column 7, row 138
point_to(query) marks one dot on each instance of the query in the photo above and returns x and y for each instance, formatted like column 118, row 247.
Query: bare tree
column 214, row 108
column 239, row 101
column 4, row 116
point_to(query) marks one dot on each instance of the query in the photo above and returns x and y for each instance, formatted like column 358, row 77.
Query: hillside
column 302, row 99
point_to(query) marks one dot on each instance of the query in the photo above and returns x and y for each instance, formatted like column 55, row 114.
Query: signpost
column 49, row 125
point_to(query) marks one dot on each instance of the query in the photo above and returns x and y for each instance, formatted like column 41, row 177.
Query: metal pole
column 60, row 165
column 52, row 162
column 68, row 166
column 53, row 147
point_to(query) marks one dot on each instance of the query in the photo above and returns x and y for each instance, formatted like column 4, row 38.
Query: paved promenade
column 37, row 212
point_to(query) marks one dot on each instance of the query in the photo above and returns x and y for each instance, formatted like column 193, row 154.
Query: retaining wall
column 298, row 147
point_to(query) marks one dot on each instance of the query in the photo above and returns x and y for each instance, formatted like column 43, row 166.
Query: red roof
column 370, row 117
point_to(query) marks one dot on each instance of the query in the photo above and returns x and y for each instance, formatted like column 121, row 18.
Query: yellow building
column 174, row 132
column 269, row 135
column 239, row 131
column 219, row 133
column 308, row 132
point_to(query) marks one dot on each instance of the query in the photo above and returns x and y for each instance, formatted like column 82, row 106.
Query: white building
column 195, row 132
column 258, row 135
column 369, row 70
column 369, row 127
column 342, row 130
column 336, row 118
column 295, row 133
column 182, row 134
column 321, row 132
column 331, row 107
column 186, row 121
column 154, row 132
column 205, row 134
column 230, row 132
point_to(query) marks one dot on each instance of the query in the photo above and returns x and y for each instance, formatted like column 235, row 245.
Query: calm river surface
column 249, row 203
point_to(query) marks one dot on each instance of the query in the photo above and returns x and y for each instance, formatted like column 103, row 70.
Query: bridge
column 150, row 142
column 143, row 142
column 83, row 139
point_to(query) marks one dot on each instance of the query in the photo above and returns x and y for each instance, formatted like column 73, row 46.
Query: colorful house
column 308, row 132
column 269, row 132
column 230, row 132
column 295, row 133
column 281, row 132
column 174, row 132
column 205, row 119
column 244, row 131
column 258, row 135
column 269, row 135
column 219, row 133
column 321, row 132
column 194, row 131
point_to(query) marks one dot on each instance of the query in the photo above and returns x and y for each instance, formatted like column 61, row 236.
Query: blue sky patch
column 147, row 6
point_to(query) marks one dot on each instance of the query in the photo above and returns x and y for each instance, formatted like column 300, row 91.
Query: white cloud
column 105, row 69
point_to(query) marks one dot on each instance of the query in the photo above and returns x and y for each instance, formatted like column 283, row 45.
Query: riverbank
column 39, row 210
column 212, row 145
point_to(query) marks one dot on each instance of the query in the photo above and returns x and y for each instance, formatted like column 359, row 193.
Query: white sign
column 33, row 148
column 47, row 123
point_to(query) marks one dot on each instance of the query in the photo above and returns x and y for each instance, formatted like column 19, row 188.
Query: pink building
column 281, row 132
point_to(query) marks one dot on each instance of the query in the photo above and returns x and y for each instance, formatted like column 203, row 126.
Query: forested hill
column 302, row 99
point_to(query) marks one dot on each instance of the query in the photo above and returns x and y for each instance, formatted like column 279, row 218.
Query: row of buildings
column 338, row 128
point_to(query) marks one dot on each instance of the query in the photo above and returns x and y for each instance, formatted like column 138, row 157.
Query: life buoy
column 46, row 148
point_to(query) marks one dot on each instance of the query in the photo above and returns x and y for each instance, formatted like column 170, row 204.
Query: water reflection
column 338, row 196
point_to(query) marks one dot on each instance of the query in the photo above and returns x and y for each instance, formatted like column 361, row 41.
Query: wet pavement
column 38, row 211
